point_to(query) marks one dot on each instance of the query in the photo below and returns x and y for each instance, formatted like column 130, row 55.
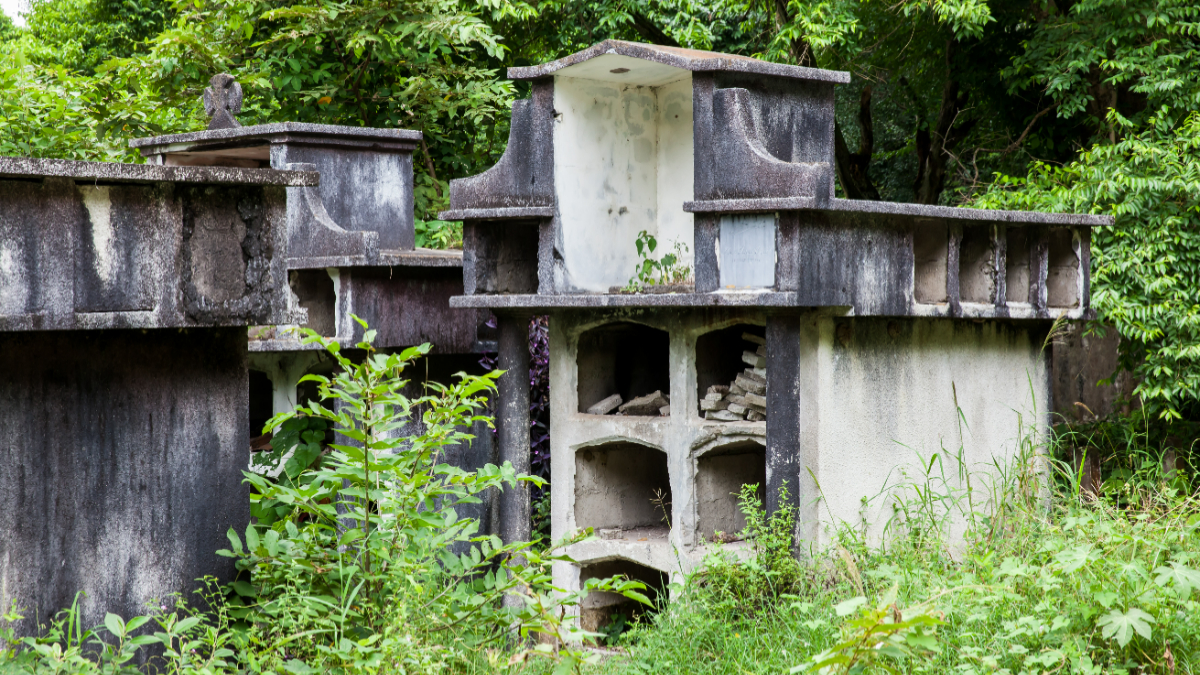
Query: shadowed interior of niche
column 600, row 609
column 719, row 356
column 1062, row 274
column 720, row 475
column 930, row 247
column 1016, row 265
column 314, row 289
column 262, row 402
column 627, row 359
column 623, row 490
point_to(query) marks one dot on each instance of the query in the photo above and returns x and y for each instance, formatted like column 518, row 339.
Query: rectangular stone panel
column 746, row 251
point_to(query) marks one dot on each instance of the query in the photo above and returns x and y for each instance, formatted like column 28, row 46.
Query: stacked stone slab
column 745, row 398
column 654, row 403
column 125, row 293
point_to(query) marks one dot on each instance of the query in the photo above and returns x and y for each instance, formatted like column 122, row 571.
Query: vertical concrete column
column 783, row 402
column 793, row 341
column 512, row 420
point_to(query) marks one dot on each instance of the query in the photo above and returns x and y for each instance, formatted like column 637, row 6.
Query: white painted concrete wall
column 623, row 164
column 890, row 394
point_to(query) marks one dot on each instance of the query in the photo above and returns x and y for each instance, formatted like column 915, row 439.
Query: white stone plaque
column 746, row 251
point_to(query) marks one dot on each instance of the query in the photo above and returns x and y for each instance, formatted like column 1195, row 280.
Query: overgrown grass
column 1047, row 580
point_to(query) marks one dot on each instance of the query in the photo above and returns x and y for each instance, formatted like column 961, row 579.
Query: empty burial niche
column 721, row 356
column 601, row 609
column 930, row 255
column 1062, row 273
column 720, row 476
column 1016, row 265
column 621, row 362
column 314, row 289
column 977, row 266
column 623, row 491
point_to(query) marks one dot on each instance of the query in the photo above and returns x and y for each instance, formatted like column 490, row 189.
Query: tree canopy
column 1052, row 105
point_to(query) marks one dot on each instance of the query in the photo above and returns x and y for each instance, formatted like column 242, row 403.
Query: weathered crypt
column 351, row 252
column 824, row 343
column 125, row 292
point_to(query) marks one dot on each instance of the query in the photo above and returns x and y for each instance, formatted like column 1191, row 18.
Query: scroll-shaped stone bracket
column 521, row 184
column 222, row 101
column 315, row 240
column 746, row 169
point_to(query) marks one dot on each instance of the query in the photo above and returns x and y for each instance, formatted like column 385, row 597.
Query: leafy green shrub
column 1044, row 580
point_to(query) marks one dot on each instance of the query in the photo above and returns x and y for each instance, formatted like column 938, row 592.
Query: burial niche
column 623, row 491
column 624, row 369
column 721, row 474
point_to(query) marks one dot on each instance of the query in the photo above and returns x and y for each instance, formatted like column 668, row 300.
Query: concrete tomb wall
column 128, row 470
column 123, row 374
column 878, row 397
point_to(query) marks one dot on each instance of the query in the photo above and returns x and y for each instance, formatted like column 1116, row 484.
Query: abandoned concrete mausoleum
column 821, row 343
column 799, row 341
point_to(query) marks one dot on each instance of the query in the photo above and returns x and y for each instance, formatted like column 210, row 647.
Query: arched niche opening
column 730, row 363
column 619, row 362
column 623, row 490
column 604, row 612
column 720, row 475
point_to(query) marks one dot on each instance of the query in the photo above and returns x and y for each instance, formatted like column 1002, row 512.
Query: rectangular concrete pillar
column 792, row 340
column 512, row 420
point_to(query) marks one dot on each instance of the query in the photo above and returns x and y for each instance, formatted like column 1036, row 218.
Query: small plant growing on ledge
column 666, row 271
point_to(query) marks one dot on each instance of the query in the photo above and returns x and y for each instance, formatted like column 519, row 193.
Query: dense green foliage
column 1082, row 587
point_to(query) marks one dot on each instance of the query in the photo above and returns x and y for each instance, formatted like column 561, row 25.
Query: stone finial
column 223, row 100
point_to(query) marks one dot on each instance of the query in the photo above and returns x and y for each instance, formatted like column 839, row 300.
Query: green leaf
column 114, row 624
column 1122, row 625
column 850, row 606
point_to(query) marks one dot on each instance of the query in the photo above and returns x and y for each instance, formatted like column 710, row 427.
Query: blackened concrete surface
column 281, row 132
column 121, row 471
column 367, row 186
column 524, row 176
column 24, row 167
column 512, row 422
column 96, row 251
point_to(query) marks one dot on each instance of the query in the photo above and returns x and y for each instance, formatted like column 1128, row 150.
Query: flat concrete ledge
column 421, row 257
column 280, row 132
column 694, row 60
column 507, row 213
column 24, row 167
column 599, row 300
column 750, row 205
column 752, row 299
column 903, row 210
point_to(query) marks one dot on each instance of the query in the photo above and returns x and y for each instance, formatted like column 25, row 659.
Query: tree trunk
column 852, row 167
column 933, row 145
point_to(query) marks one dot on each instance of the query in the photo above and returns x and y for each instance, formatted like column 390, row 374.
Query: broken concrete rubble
column 650, row 404
column 606, row 406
